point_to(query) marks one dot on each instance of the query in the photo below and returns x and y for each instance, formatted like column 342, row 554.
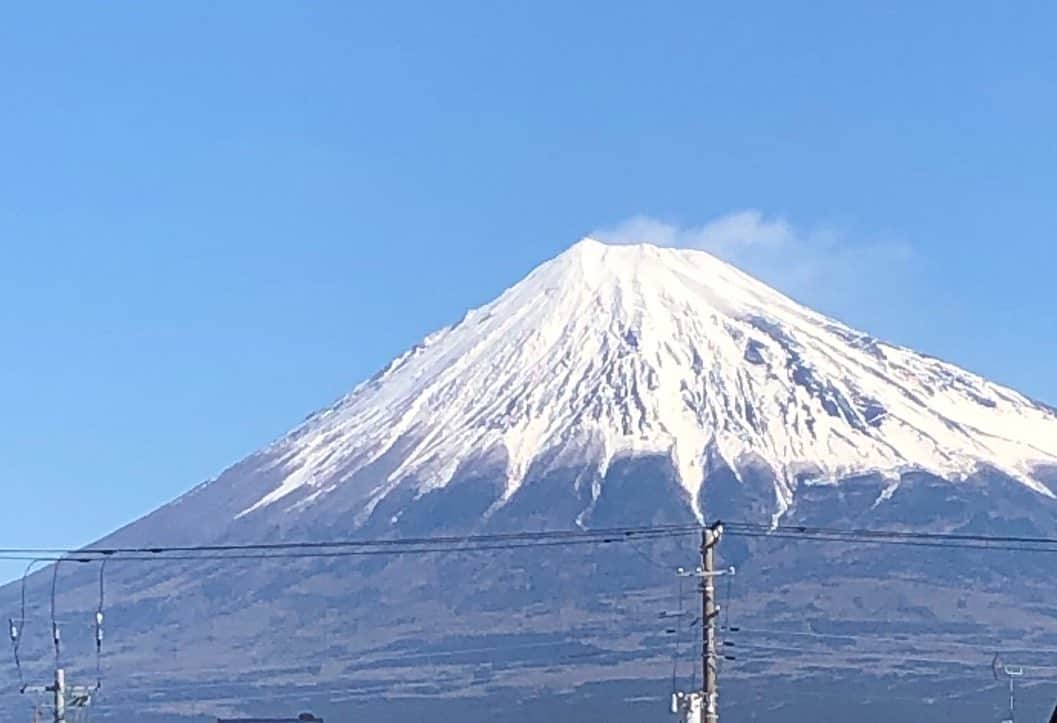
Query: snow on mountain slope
column 614, row 350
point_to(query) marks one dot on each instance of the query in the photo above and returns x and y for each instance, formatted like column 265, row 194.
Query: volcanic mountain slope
column 610, row 352
column 613, row 385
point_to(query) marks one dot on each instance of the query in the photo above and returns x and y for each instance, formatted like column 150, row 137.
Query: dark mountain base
column 827, row 631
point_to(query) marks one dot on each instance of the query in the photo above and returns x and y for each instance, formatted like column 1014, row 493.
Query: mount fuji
column 610, row 352
column 613, row 385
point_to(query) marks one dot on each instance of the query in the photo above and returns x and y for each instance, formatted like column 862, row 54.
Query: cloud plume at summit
column 824, row 265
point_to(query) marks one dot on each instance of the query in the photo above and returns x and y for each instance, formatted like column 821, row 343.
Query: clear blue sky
column 217, row 217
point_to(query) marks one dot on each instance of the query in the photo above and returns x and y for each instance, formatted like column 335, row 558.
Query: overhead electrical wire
column 677, row 637
column 897, row 542
column 99, row 626
column 296, row 550
column 937, row 645
column 513, row 541
column 516, row 540
column 314, row 554
column 18, row 628
column 838, row 656
column 923, row 540
column 945, row 639
column 874, row 533
column 358, row 543
column 55, row 635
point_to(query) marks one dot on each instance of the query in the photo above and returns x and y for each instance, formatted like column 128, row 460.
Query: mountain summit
column 608, row 352
column 614, row 385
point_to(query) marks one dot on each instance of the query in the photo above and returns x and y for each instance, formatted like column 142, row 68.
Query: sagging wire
column 730, row 597
column 18, row 627
column 648, row 557
column 617, row 532
column 678, row 638
column 99, row 627
column 55, row 634
column 726, row 619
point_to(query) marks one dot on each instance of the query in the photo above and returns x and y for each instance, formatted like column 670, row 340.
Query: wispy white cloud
column 823, row 266
column 724, row 234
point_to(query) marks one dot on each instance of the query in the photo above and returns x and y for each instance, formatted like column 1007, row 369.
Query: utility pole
column 703, row 706
column 59, row 688
column 709, row 610
column 63, row 696
column 75, row 698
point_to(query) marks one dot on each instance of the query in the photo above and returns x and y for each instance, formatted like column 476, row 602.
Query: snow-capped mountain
column 613, row 385
column 609, row 351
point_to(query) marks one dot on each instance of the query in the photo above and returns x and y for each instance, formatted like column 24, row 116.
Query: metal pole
column 60, row 696
column 1012, row 700
column 709, row 611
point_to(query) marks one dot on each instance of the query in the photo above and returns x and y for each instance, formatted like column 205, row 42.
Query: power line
column 1017, row 543
column 833, row 657
column 981, row 543
column 348, row 548
column 316, row 554
column 517, row 540
column 872, row 533
column 850, row 637
column 832, row 651
column 18, row 628
column 638, row 531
